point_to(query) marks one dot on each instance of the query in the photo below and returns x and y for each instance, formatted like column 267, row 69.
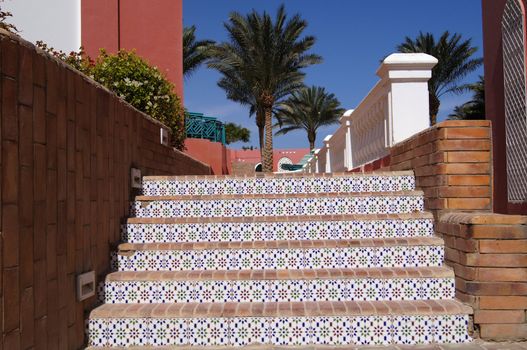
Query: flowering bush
column 78, row 60
column 144, row 87
column 135, row 81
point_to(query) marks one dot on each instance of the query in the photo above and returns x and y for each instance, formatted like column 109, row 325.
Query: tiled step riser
column 284, row 185
column 277, row 290
column 275, row 231
column 242, row 259
column 364, row 330
column 251, row 207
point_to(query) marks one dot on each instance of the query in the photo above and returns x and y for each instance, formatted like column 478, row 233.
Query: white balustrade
column 394, row 110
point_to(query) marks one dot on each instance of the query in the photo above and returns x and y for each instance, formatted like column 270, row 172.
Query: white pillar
column 315, row 157
column 345, row 121
column 328, row 154
column 406, row 76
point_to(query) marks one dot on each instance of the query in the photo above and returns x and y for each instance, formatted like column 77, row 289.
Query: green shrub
column 77, row 59
column 144, row 87
column 134, row 80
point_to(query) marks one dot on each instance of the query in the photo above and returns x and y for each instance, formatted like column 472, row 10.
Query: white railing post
column 315, row 158
column 328, row 153
column 394, row 110
column 405, row 77
column 348, row 159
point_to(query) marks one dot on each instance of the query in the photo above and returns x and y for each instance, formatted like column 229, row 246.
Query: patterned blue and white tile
column 258, row 207
column 274, row 231
column 223, row 291
column 259, row 259
column 279, row 185
column 241, row 331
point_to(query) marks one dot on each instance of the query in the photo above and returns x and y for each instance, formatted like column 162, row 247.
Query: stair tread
column 414, row 193
column 306, row 274
column 288, row 244
column 283, row 175
column 281, row 309
column 418, row 215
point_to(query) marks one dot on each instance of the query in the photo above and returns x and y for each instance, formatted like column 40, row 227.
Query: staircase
column 279, row 260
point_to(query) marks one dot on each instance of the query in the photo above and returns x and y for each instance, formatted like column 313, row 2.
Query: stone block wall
column 452, row 165
column 489, row 255
column 67, row 149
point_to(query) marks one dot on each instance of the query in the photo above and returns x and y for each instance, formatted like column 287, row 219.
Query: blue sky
column 352, row 36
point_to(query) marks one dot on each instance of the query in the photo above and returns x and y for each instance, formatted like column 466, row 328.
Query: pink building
column 280, row 156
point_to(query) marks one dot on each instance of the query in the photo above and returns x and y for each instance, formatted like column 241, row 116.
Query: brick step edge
column 414, row 193
column 283, row 309
column 305, row 274
column 127, row 248
column 418, row 215
column 284, row 175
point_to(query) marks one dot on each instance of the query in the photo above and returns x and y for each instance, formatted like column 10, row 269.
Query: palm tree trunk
column 434, row 108
column 311, row 137
column 267, row 161
column 260, row 123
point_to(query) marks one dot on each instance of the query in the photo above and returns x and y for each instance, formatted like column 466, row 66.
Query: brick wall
column 489, row 255
column 452, row 165
column 67, row 149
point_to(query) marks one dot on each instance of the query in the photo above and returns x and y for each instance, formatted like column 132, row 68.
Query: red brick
column 62, row 175
column 462, row 145
column 468, row 203
column 11, row 299
column 62, row 124
column 499, row 316
column 10, row 174
column 498, row 231
column 464, row 191
column 41, row 333
column 63, row 329
column 497, row 260
column 25, row 77
column 9, row 57
column 507, row 302
column 503, row 246
column 51, row 197
column 52, row 80
column 468, row 157
column 12, row 340
column 468, row 180
column 27, row 319
column 39, row 171
column 9, row 110
column 466, row 133
column 51, row 140
column 494, row 288
column 25, row 115
column 502, row 274
column 503, row 331
column 26, row 257
column 40, row 289
column 26, row 197
column 52, row 315
column 10, row 232
column 463, row 123
column 39, row 115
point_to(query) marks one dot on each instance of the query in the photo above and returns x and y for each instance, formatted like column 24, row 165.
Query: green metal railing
column 198, row 126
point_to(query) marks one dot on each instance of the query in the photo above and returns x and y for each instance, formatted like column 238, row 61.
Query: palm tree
column 475, row 108
column 194, row 52
column 308, row 109
column 262, row 64
column 456, row 61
